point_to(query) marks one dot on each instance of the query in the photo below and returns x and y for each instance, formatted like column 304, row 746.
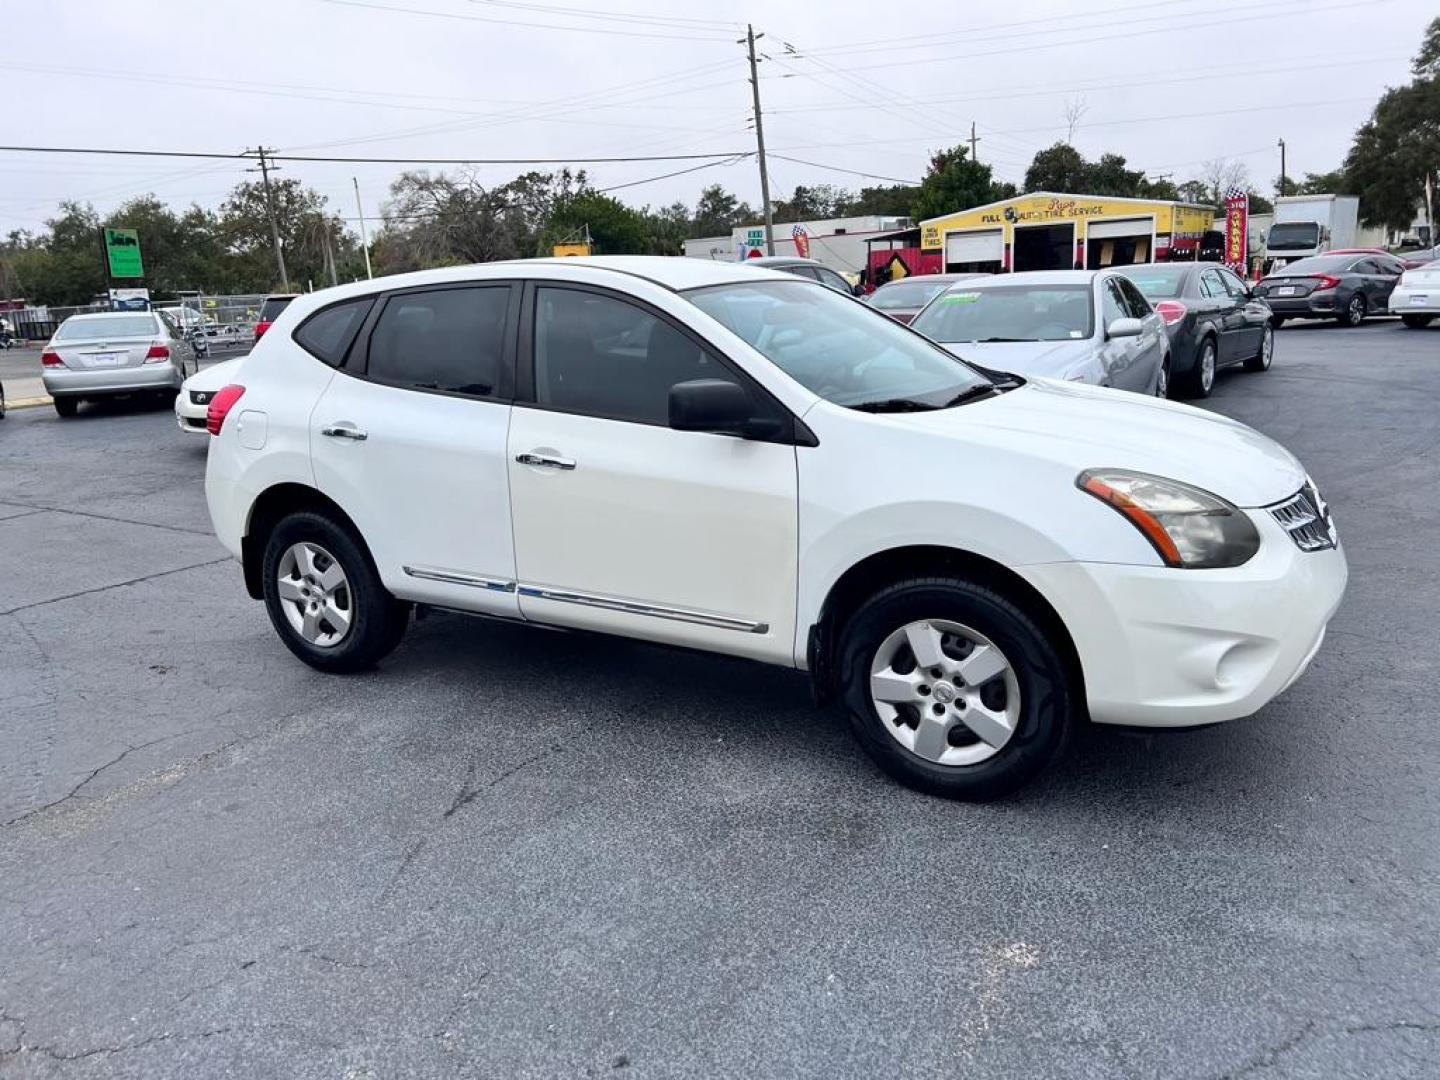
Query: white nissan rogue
column 737, row 460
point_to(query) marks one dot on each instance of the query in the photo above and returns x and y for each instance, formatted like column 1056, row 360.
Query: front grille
column 201, row 397
column 1307, row 519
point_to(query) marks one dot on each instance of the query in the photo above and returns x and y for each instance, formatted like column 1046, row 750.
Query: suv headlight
column 1188, row 527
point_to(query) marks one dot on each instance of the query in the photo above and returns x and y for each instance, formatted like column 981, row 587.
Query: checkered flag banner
column 1233, row 192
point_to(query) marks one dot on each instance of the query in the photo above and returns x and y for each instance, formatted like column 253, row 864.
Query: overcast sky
column 870, row 87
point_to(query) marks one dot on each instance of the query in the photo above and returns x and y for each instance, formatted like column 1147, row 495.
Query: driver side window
column 601, row 356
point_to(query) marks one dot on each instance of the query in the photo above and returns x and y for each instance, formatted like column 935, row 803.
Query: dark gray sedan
column 903, row 299
column 1213, row 320
column 1343, row 287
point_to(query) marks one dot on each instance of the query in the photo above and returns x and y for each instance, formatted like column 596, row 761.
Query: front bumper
column 1175, row 648
column 1319, row 304
column 1415, row 300
column 72, row 382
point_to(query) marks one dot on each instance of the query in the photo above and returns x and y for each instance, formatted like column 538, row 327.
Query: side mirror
column 1122, row 328
column 718, row 406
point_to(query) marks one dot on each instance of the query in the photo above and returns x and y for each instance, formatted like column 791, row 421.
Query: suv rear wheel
column 324, row 596
column 953, row 689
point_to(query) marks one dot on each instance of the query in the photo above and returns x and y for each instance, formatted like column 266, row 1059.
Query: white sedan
column 1416, row 298
column 192, row 404
column 1089, row 326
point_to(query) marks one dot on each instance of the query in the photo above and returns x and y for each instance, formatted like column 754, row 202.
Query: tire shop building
column 1047, row 231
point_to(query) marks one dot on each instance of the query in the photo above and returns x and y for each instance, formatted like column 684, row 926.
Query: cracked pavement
column 512, row 852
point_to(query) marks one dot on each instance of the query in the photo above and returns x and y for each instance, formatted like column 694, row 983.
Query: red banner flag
column 1237, row 230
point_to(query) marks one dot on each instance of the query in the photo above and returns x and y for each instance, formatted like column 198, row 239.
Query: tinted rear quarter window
column 442, row 339
column 270, row 310
column 328, row 333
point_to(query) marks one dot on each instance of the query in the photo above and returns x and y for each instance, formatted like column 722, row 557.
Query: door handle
column 545, row 461
column 344, row 430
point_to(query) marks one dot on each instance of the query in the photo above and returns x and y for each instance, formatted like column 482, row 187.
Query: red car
column 270, row 311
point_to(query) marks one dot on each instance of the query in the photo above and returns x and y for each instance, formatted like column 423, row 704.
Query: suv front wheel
column 324, row 596
column 953, row 689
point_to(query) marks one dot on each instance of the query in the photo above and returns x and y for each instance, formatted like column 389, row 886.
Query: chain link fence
column 228, row 322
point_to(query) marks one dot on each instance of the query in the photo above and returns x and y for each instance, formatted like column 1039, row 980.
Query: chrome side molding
column 452, row 577
column 631, row 607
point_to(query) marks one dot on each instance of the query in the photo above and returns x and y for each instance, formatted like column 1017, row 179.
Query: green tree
column 1061, row 169
column 953, row 183
column 1399, row 146
column 613, row 227
column 718, row 212
column 312, row 240
column 893, row 201
column 811, row 204
column 1334, row 182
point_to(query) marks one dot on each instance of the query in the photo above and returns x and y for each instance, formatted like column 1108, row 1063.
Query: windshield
column 1010, row 313
column 1320, row 264
column 841, row 350
column 906, row 294
column 273, row 306
column 1158, row 282
column 1294, row 236
column 111, row 326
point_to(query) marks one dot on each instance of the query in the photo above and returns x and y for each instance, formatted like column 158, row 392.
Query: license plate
column 106, row 359
column 1287, row 290
column 1419, row 298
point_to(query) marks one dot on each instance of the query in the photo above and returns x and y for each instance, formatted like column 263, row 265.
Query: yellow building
column 1045, row 231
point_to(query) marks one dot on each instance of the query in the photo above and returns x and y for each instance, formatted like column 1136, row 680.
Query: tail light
column 1172, row 311
column 1325, row 281
column 157, row 353
column 51, row 359
column 220, row 406
column 260, row 328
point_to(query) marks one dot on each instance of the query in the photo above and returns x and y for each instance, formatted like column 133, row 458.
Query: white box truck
column 1309, row 224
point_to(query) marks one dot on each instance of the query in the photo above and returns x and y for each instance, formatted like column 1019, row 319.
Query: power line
column 852, row 172
column 531, row 25
column 248, row 155
column 615, row 16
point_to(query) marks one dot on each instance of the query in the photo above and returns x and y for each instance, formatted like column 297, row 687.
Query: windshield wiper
column 972, row 393
column 894, row 405
column 989, row 340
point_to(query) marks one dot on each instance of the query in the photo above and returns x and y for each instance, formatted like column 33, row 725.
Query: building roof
column 1067, row 195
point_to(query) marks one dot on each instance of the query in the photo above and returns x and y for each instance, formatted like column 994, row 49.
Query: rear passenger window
column 442, row 339
column 601, row 356
column 327, row 334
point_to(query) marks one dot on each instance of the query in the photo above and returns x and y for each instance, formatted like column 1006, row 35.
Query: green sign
column 122, row 248
column 756, row 237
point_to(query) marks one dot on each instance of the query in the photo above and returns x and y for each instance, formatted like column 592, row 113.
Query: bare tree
column 1221, row 174
column 1074, row 112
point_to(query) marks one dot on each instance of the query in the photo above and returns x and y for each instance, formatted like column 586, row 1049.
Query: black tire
column 1049, row 703
column 1277, row 321
column 67, row 406
column 1162, row 378
column 1261, row 360
column 378, row 620
column 1416, row 322
column 1354, row 312
column 1193, row 384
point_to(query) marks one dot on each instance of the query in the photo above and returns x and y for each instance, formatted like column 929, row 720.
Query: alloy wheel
column 945, row 692
column 1267, row 348
column 1162, row 381
column 1207, row 366
column 1355, row 313
column 314, row 594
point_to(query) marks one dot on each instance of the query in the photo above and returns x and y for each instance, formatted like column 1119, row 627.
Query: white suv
column 732, row 459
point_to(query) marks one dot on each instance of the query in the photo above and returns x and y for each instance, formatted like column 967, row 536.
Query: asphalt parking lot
column 512, row 852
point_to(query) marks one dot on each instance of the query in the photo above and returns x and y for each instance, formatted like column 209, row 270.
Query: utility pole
column 749, row 40
column 974, row 153
column 1281, row 185
column 265, row 168
column 364, row 240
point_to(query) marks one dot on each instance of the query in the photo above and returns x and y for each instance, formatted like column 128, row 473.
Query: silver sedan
column 109, row 353
column 1090, row 326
